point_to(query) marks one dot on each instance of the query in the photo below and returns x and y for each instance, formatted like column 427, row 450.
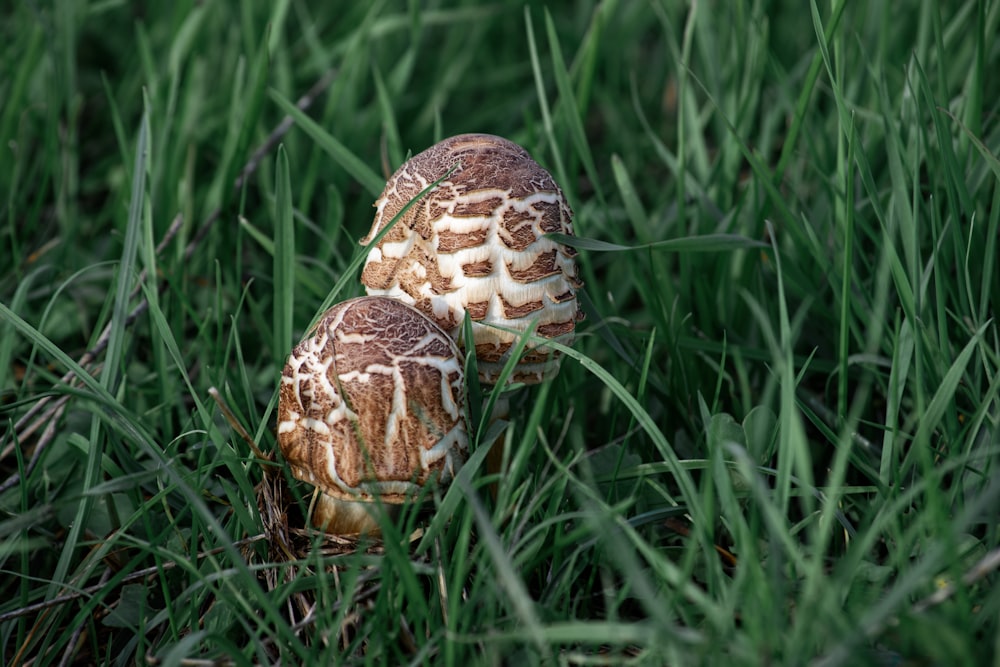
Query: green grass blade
column 358, row 170
column 284, row 258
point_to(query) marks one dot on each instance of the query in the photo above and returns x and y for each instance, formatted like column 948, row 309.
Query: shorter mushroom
column 371, row 407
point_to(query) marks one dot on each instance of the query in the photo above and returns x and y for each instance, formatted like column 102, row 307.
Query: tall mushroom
column 371, row 406
column 476, row 244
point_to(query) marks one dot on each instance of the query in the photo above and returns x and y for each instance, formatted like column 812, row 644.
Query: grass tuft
column 775, row 439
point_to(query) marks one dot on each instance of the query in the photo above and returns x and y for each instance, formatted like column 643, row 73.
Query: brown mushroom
column 476, row 244
column 371, row 406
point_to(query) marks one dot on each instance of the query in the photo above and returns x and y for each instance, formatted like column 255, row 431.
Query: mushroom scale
column 370, row 405
column 476, row 243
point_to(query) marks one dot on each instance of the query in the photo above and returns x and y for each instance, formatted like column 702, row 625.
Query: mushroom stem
column 348, row 517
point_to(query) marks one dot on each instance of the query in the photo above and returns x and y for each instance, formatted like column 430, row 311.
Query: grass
column 776, row 439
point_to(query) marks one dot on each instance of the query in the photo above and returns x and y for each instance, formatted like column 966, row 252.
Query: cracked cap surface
column 370, row 403
column 475, row 244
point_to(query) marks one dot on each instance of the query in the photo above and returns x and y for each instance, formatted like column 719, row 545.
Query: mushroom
column 371, row 407
column 476, row 244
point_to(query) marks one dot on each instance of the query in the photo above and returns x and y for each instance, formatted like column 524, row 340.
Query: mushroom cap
column 370, row 404
column 475, row 244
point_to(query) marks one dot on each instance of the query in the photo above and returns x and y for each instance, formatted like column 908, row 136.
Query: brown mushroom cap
column 476, row 244
column 370, row 405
